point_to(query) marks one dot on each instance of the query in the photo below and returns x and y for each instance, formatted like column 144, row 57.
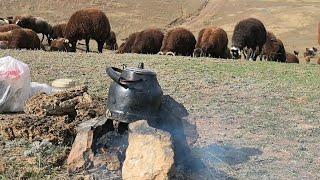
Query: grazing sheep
column 311, row 52
column 270, row 47
column 291, row 58
column 20, row 39
column 37, row 24
column 281, row 53
column 57, row 31
column 9, row 27
column 249, row 33
column 111, row 42
column 4, row 21
column 178, row 41
column 88, row 24
column 144, row 42
column 60, row 44
column 148, row 41
column 273, row 49
column 211, row 42
column 126, row 46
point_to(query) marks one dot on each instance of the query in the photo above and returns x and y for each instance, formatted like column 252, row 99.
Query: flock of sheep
column 249, row 38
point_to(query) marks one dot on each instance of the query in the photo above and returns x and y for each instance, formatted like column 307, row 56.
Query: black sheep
column 37, row 24
column 249, row 33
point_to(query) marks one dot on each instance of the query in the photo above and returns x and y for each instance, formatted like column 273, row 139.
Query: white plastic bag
column 14, row 84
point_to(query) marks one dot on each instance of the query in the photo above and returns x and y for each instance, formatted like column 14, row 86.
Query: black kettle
column 135, row 94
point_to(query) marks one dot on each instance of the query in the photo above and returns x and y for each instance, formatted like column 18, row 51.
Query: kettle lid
column 139, row 71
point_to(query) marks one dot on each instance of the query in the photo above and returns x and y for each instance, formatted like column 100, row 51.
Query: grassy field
column 253, row 118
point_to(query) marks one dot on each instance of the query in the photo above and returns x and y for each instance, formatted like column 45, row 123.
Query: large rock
column 149, row 155
column 81, row 156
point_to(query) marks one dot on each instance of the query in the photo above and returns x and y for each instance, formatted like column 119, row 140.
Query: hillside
column 293, row 21
column 125, row 16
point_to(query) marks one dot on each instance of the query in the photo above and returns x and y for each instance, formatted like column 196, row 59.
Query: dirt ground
column 255, row 120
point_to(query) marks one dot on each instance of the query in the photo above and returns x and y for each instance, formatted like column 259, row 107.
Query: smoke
column 197, row 163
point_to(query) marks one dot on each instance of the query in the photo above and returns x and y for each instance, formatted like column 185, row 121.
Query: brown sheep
column 249, row 33
column 270, row 48
column 291, row 58
column 111, row 42
column 57, row 31
column 21, row 39
column 88, row 24
column 273, row 49
column 178, row 41
column 37, row 24
column 144, row 42
column 126, row 47
column 212, row 42
column 9, row 27
column 148, row 41
column 280, row 56
column 60, row 44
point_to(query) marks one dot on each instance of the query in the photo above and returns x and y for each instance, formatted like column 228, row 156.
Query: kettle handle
column 114, row 73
